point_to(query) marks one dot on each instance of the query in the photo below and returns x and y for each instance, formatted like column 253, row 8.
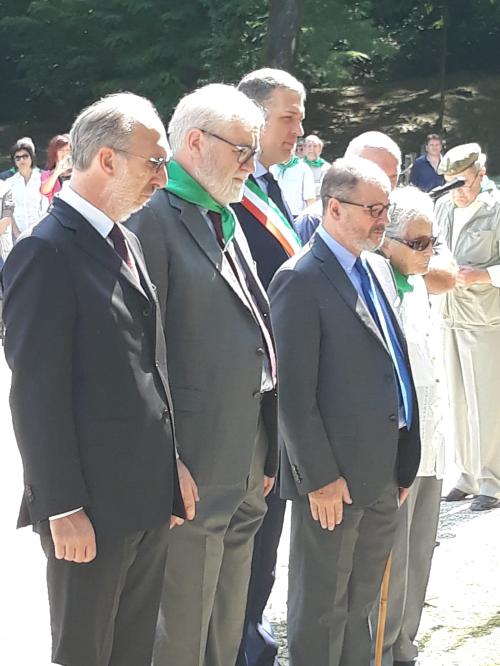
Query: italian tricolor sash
column 269, row 215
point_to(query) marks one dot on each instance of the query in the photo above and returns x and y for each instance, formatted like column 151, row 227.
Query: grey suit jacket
column 214, row 344
column 338, row 401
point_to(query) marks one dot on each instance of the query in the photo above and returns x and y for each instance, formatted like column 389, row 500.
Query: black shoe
column 484, row 503
column 455, row 495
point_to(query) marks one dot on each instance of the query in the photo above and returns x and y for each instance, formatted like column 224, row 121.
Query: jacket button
column 146, row 312
column 256, row 394
column 392, row 417
column 260, row 351
column 165, row 415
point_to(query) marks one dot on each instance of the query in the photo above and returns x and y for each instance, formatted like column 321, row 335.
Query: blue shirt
column 424, row 176
column 347, row 260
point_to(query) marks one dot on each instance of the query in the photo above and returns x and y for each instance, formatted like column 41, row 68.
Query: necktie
column 274, row 193
column 381, row 315
column 244, row 282
column 118, row 240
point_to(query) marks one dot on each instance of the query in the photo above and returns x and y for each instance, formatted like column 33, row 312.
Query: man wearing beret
column 469, row 218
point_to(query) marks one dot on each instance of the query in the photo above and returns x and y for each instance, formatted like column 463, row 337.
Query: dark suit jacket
column 338, row 402
column 90, row 399
column 214, row 344
column 268, row 253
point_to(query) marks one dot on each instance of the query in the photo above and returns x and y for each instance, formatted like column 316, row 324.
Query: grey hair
column 373, row 139
column 408, row 204
column 345, row 174
column 261, row 83
column 315, row 139
column 109, row 122
column 210, row 108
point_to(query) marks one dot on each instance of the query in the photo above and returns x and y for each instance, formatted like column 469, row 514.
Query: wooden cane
column 382, row 613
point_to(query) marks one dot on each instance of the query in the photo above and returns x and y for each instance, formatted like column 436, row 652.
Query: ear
column 334, row 208
column 107, row 159
column 194, row 140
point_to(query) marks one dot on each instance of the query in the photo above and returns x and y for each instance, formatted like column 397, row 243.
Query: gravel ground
column 460, row 626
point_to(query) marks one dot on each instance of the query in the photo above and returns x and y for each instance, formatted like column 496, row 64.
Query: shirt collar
column 260, row 170
column 345, row 258
column 94, row 216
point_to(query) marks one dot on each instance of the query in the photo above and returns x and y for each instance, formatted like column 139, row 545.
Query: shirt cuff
column 494, row 272
column 67, row 513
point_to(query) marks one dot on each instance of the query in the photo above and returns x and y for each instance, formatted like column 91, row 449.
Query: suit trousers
column 103, row 613
column 472, row 362
column 410, row 569
column 204, row 595
column 334, row 579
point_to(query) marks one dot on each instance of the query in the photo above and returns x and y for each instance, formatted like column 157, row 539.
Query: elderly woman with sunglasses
column 29, row 204
column 409, row 246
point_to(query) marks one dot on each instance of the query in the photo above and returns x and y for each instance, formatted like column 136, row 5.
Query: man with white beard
column 222, row 362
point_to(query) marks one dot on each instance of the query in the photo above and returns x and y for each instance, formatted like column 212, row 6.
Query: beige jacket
column 477, row 245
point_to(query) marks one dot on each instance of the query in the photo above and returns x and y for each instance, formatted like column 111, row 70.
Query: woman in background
column 29, row 204
column 59, row 166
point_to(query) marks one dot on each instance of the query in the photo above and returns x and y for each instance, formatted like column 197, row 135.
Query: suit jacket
column 90, row 399
column 214, row 344
column 338, row 402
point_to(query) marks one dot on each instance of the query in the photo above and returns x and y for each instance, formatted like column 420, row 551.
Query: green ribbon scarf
column 186, row 187
column 291, row 163
column 318, row 162
column 402, row 284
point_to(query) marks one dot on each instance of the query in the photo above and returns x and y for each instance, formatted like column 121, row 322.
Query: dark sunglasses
column 418, row 244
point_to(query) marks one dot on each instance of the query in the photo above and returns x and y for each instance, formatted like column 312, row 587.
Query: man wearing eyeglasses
column 90, row 400
column 469, row 218
column 222, row 366
column 348, row 414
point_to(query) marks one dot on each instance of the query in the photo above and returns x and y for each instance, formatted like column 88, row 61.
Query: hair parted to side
column 408, row 204
column 345, row 174
column 261, row 83
column 109, row 122
column 373, row 139
column 433, row 137
column 210, row 108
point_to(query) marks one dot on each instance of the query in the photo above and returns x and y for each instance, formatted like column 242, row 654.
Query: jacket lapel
column 205, row 239
column 91, row 242
column 332, row 269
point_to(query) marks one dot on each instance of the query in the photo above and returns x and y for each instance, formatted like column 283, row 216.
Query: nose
column 161, row 177
column 249, row 165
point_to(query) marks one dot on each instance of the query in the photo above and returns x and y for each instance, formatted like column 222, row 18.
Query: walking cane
column 382, row 613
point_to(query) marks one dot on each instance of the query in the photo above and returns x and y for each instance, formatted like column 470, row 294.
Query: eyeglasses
column 245, row 152
column 158, row 163
column 24, row 156
column 418, row 244
column 375, row 210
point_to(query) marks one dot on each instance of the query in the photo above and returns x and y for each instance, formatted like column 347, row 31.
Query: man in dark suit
column 348, row 416
column 222, row 367
column 269, row 229
column 90, row 399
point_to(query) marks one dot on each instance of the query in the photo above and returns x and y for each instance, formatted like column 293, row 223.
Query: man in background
column 319, row 166
column 269, row 230
column 424, row 173
column 469, row 219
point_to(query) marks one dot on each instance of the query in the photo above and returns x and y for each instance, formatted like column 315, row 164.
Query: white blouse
column 29, row 204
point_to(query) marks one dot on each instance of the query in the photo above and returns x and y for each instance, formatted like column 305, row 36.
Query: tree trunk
column 282, row 33
column 442, row 67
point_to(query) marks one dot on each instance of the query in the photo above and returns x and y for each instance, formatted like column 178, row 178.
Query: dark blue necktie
column 379, row 309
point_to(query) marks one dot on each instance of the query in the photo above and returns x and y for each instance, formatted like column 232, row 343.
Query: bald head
column 380, row 149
